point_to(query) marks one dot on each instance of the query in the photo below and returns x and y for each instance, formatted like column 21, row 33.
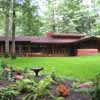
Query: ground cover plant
column 83, row 68
column 48, row 87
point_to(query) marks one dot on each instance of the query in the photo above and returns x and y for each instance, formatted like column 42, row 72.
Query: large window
column 38, row 48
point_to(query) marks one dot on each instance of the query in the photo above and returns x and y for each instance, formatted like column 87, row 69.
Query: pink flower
column 19, row 77
column 86, row 85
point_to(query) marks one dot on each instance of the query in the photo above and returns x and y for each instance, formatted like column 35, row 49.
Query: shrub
column 13, row 56
column 8, row 93
column 40, row 90
column 25, row 85
column 43, row 86
column 6, row 55
column 95, row 93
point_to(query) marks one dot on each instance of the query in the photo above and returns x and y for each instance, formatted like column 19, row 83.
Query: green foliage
column 4, row 15
column 69, row 12
column 29, row 75
column 53, row 75
column 2, row 19
column 18, row 69
column 8, row 93
column 1, row 75
column 95, row 93
column 25, row 85
column 43, row 86
column 75, row 85
column 40, row 90
column 84, row 90
column 6, row 55
column 70, row 16
column 29, row 20
column 59, row 98
column 3, row 64
column 13, row 56
column 60, row 16
column 85, row 24
column 30, row 96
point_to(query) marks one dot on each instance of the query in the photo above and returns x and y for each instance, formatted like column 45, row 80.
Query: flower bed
column 48, row 87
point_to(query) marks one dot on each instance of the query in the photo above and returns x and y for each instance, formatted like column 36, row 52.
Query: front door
column 73, row 51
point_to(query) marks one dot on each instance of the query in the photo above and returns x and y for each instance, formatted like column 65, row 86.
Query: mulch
column 73, row 95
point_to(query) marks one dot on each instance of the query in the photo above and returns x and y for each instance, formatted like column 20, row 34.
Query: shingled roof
column 55, row 38
column 18, row 38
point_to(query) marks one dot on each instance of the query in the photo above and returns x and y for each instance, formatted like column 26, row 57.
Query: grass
column 83, row 68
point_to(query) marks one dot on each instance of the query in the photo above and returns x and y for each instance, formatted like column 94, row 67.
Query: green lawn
column 83, row 68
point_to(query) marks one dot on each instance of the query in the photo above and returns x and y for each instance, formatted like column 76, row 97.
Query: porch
column 40, row 50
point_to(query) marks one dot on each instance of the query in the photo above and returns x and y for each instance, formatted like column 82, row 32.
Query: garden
column 55, row 81
column 55, row 29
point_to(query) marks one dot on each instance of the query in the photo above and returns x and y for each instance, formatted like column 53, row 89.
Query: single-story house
column 53, row 45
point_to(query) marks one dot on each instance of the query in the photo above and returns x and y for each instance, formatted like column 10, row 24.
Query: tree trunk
column 7, row 28
column 13, row 30
column 7, row 31
column 53, row 22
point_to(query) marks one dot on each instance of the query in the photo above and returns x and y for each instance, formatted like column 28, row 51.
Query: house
column 53, row 45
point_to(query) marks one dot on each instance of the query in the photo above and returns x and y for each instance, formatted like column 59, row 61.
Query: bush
column 25, row 85
column 95, row 93
column 6, row 55
column 13, row 56
column 8, row 93
column 40, row 90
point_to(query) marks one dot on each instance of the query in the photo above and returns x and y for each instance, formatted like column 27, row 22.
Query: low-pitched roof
column 18, row 38
column 53, row 40
column 58, row 39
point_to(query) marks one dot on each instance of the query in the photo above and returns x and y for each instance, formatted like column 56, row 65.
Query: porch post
column 1, row 51
column 20, row 50
column 29, row 48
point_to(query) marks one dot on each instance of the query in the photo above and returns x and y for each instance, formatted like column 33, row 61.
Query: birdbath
column 37, row 70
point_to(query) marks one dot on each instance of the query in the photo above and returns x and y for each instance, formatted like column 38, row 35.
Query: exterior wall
column 90, row 44
column 84, row 52
column 2, row 48
column 98, row 45
column 89, row 47
column 28, row 49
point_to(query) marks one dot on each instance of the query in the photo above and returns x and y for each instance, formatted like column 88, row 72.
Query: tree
column 5, row 10
column 50, row 16
column 69, row 12
column 13, row 27
column 60, row 15
column 69, row 16
column 28, row 18
column 76, row 17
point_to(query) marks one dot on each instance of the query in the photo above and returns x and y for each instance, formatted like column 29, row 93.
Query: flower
column 7, row 69
column 19, row 77
column 63, row 90
column 86, row 85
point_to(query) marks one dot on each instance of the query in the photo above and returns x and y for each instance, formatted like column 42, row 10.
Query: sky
column 42, row 6
column 87, row 2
